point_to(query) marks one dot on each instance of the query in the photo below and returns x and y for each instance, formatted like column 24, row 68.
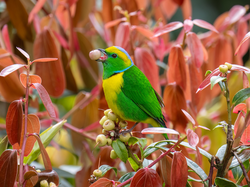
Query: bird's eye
column 114, row 55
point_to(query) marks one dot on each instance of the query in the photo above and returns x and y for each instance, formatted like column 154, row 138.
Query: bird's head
column 114, row 60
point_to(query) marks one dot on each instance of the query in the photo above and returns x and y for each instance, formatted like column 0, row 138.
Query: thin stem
column 223, row 169
column 25, row 125
column 242, row 176
column 156, row 160
column 131, row 155
column 243, row 168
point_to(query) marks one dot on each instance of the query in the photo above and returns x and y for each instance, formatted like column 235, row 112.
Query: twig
column 242, row 176
column 139, row 163
column 210, row 176
column 243, row 168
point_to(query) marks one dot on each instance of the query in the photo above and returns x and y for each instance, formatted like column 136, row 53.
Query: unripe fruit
column 51, row 184
column 101, row 140
column 109, row 141
column 106, row 112
column 125, row 137
column 104, row 118
column 123, row 124
column 97, row 173
column 223, row 68
column 112, row 133
column 112, row 116
column 44, row 183
column 113, row 154
column 38, row 171
column 108, row 125
column 228, row 65
column 95, row 54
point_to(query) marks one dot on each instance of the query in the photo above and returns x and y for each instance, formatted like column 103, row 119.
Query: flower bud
column 101, row 140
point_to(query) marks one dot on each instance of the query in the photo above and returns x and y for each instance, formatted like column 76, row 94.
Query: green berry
column 112, row 133
column 123, row 124
column 112, row 116
column 108, row 125
column 101, row 140
column 223, row 68
column 51, row 184
column 104, row 118
column 106, row 112
column 113, row 154
column 97, row 173
column 44, row 183
column 228, row 65
column 109, row 141
column 125, row 137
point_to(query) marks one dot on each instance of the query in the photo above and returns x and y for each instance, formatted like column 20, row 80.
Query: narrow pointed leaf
column 146, row 177
column 246, row 37
column 190, row 118
column 240, row 68
column 46, row 137
column 240, row 107
column 168, row 28
column 188, row 25
column 241, row 96
column 14, row 120
column 193, row 138
column 6, row 38
column 223, row 182
column 205, row 25
column 122, row 36
column 39, row 4
column 120, row 150
column 216, row 79
column 9, row 69
column 3, row 144
column 8, row 168
column 179, row 170
column 159, row 130
column 127, row 176
column 44, row 60
column 104, row 182
column 235, row 13
column 106, row 168
column 23, row 52
column 45, row 99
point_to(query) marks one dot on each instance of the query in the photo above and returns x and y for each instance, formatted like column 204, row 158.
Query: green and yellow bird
column 127, row 90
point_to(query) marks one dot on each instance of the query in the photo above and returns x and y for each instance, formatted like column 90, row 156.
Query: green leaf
column 3, row 144
column 120, row 150
column 106, row 168
column 143, row 142
column 237, row 172
column 222, row 182
column 241, row 96
column 208, row 72
column 188, row 185
column 46, row 136
column 146, row 162
column 221, row 152
column 197, row 169
column 133, row 164
column 132, row 140
column 126, row 176
column 215, row 79
column 243, row 156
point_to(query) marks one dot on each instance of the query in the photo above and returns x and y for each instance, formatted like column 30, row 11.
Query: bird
column 127, row 90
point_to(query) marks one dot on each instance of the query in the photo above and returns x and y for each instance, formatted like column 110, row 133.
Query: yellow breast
column 112, row 87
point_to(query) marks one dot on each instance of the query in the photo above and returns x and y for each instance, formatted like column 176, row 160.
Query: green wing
column 138, row 88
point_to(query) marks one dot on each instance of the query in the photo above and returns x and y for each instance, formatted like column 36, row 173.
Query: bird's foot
column 129, row 130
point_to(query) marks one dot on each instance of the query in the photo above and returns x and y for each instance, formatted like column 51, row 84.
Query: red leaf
column 238, row 125
column 240, row 107
column 168, row 7
column 240, row 68
column 159, row 130
column 104, row 182
column 8, row 168
column 45, row 99
column 179, row 170
column 168, row 28
column 146, row 62
column 122, row 36
column 246, row 37
column 145, row 32
column 235, row 13
column 14, row 120
column 173, row 96
column 196, row 49
column 188, row 25
column 61, row 40
column 192, row 137
column 146, row 177
column 177, row 67
column 114, row 23
column 6, row 38
column 190, row 118
column 242, row 28
column 205, row 25
column 10, row 69
column 39, row 4
column 206, row 81
column 23, row 52
column 186, row 9
column 32, row 79
column 178, row 2
column 44, row 60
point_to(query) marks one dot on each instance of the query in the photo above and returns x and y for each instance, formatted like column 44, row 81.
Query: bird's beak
column 103, row 57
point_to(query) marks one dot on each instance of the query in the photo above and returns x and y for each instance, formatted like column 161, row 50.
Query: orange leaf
column 44, row 60
column 173, row 96
column 32, row 79
column 51, row 73
column 165, row 167
column 104, row 182
column 6, row 38
column 14, row 119
column 240, row 107
column 39, row 4
column 246, row 37
column 186, row 9
column 122, row 36
column 168, row 8
column 177, row 67
column 168, row 28
column 179, row 170
column 146, row 177
column 192, row 138
column 146, row 62
column 33, row 126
